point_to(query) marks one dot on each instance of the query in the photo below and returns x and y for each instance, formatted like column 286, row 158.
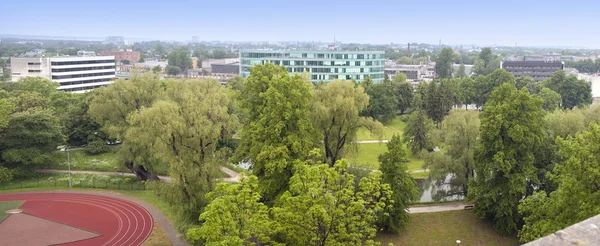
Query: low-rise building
column 122, row 54
column 538, row 70
column 414, row 73
column 74, row 74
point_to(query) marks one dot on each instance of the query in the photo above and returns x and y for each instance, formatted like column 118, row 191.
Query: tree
column 111, row 107
column 486, row 56
column 157, row 69
column 383, row 102
column 417, row 131
column 486, row 84
column 404, row 92
column 235, row 216
column 31, row 138
column 527, row 82
column 173, row 70
column 439, row 99
column 180, row 58
column 125, row 62
column 573, row 92
column 551, row 99
column 236, row 83
column 466, row 91
column 193, row 117
column 453, row 167
column 277, row 128
column 323, row 207
column 512, row 125
column 461, row 72
column 443, row 63
column 142, row 58
column 335, row 111
column 404, row 189
column 577, row 197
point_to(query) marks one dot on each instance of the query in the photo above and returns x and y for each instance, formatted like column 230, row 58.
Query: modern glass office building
column 322, row 65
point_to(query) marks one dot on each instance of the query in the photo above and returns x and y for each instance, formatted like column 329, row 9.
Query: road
column 234, row 177
column 438, row 208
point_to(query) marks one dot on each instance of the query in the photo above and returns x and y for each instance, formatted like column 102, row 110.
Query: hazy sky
column 529, row 23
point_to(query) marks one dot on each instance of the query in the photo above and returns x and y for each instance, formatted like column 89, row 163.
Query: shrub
column 96, row 148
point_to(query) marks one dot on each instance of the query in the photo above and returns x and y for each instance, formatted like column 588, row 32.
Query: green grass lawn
column 395, row 126
column 367, row 153
column 444, row 228
column 8, row 205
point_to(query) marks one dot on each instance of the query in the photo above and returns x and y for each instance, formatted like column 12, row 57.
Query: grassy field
column 157, row 238
column 106, row 162
column 367, row 154
column 61, row 181
column 444, row 228
column 395, row 126
column 4, row 206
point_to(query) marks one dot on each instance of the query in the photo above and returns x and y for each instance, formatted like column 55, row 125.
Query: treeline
column 585, row 66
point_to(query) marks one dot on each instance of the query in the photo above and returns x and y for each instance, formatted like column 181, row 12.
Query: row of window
column 312, row 55
column 85, row 82
column 34, row 63
column 81, row 62
column 347, row 77
column 317, row 63
column 58, row 70
column 34, row 71
column 84, row 88
column 82, row 75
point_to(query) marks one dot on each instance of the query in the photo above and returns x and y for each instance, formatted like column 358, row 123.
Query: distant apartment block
column 322, row 65
column 74, row 74
column 414, row 73
column 122, row 54
column 538, row 70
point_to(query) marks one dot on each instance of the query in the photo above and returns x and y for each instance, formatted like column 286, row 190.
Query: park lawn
column 444, row 228
column 8, row 205
column 367, row 153
column 395, row 126
column 157, row 238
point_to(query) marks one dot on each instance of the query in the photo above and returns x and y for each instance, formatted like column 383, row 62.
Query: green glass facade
column 322, row 65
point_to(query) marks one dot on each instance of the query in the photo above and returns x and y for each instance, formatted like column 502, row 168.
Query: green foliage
column 585, row 66
column 573, row 92
column 484, row 85
column 236, row 83
column 403, row 186
column 383, row 102
column 97, row 147
column 173, row 70
column 417, row 132
column 30, row 138
column 323, row 207
column 452, row 168
column 486, row 63
column 443, row 63
column 335, row 113
column 551, row 99
column 180, row 58
column 235, row 216
column 461, row 72
column 277, row 128
column 404, row 92
column 577, row 197
column 512, row 126
column 439, row 99
column 157, row 69
column 466, row 91
column 194, row 113
column 5, row 174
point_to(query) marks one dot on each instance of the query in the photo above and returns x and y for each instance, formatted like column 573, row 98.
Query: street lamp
column 457, row 242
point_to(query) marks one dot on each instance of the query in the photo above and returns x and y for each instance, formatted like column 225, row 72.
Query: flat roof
column 315, row 51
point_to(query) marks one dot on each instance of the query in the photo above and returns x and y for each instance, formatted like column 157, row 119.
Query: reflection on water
column 430, row 192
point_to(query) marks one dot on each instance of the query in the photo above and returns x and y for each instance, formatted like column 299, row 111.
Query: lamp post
column 68, row 164
column 458, row 242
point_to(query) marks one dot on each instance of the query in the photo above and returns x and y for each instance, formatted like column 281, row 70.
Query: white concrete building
column 74, row 74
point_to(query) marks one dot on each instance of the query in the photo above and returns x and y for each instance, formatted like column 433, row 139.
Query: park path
column 370, row 141
column 233, row 176
column 438, row 208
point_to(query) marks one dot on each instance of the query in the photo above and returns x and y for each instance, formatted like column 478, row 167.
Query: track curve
column 119, row 222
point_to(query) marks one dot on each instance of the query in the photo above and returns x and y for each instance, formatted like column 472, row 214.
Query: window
column 345, row 56
column 332, row 63
column 369, row 63
column 348, row 77
column 313, row 77
column 357, row 77
column 362, row 70
column 34, row 63
column 304, row 55
column 357, row 63
column 299, row 63
column 336, row 70
column 34, row 71
column 347, row 63
column 360, row 56
column 338, row 56
column 320, row 55
column 343, row 70
column 286, row 63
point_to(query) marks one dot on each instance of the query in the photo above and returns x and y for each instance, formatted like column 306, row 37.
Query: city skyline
column 503, row 23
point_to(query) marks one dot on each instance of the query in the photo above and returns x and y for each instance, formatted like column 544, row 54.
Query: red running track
column 119, row 222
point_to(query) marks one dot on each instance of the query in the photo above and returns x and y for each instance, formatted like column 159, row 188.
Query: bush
column 404, row 118
column 96, row 148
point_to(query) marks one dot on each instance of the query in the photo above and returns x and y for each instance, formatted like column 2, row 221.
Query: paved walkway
column 370, row 141
column 233, row 176
column 438, row 208
column 158, row 217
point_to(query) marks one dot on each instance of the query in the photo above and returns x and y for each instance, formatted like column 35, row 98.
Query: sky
column 524, row 22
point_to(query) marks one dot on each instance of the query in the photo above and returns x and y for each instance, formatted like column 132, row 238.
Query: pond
column 428, row 190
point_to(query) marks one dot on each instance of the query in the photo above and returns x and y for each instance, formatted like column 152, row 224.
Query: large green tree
column 453, row 167
column 417, row 132
column 512, row 126
column 573, row 92
column 484, row 85
column 439, row 99
column 193, row 117
column 180, row 58
column 277, row 127
column 404, row 92
column 466, row 91
column 403, row 186
column 443, row 63
column 551, row 99
column 324, row 207
column 335, row 112
column 577, row 197
column 383, row 102
column 235, row 216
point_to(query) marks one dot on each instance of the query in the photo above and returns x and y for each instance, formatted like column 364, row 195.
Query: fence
column 98, row 184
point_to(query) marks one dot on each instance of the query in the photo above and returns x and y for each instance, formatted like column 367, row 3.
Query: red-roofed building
column 127, row 54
